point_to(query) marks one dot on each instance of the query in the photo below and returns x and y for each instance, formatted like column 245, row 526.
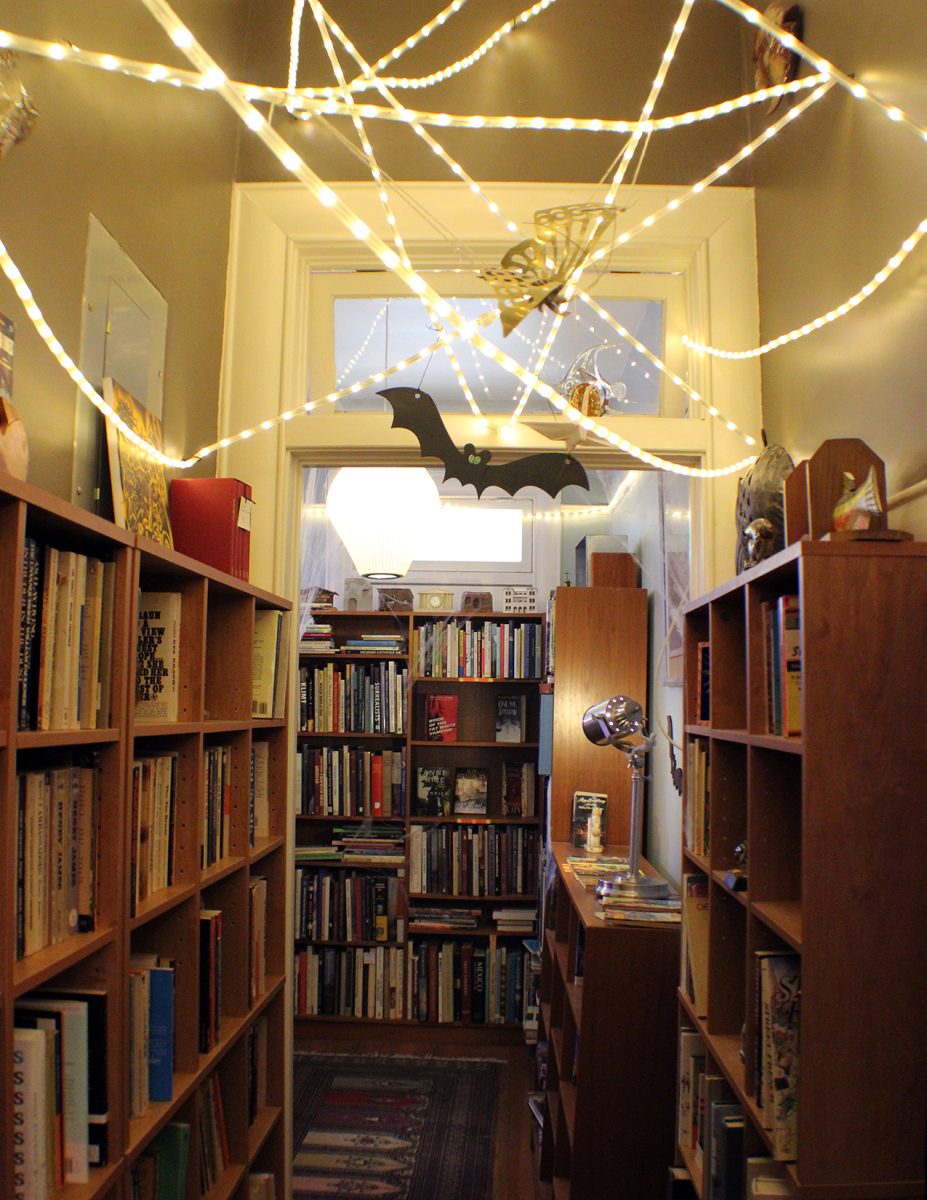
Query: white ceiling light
column 381, row 514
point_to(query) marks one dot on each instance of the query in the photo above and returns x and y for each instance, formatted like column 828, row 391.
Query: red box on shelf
column 208, row 523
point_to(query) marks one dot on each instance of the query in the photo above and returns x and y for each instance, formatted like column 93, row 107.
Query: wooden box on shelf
column 135, row 844
column 834, row 890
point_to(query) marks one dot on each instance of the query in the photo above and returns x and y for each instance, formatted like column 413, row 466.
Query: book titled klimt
column 157, row 676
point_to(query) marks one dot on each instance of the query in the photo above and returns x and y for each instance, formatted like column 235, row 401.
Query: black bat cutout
column 416, row 410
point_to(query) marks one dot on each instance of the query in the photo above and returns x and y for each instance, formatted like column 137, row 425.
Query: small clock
column 436, row 601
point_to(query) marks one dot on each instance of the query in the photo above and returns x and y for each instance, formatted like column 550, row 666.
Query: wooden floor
column 513, row 1175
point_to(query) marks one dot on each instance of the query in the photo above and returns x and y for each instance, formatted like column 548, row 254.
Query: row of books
column 269, row 663
column 439, row 792
column 373, row 843
column 471, row 648
column 350, row 981
column 257, row 1068
column 460, row 982
column 351, row 781
column 160, row 1171
column 697, row 809
column 259, row 792
column 347, row 906
column 319, row 639
column 782, row 662
column 216, row 829
column 151, row 1032
column 56, row 853
column 693, row 969
column 353, row 698
column 154, row 800
column 65, row 639
column 213, row 1136
column 472, row 860
column 210, row 997
column 427, row 980
column 60, row 1107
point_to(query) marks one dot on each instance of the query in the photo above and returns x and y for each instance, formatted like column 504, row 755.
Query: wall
column 834, row 202
column 154, row 165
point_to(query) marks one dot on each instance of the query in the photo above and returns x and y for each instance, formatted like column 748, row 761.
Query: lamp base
column 632, row 887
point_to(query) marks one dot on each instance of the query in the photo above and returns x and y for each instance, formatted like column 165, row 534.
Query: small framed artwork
column 471, row 788
column 674, row 546
column 584, row 805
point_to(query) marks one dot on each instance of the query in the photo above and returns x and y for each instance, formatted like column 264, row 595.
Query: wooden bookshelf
column 835, row 873
column 607, row 1009
column 600, row 637
column 475, row 681
column 214, row 706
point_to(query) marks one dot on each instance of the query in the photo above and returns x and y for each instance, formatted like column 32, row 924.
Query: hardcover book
column 510, row 718
column 441, row 718
column 138, row 481
column 471, row 787
column 584, row 805
column 157, row 683
column 433, row 792
column 211, row 521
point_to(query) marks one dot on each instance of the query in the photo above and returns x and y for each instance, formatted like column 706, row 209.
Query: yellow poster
column 138, row 482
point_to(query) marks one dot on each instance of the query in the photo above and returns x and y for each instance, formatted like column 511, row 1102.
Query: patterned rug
column 393, row 1128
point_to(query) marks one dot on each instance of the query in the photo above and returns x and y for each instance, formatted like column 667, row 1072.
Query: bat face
column 416, row 411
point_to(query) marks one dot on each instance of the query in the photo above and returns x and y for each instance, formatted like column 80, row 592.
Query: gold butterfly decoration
column 533, row 273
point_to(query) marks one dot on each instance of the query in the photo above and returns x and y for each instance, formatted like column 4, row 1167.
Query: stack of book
column 317, row 639
column 377, row 843
column 514, row 920
column 473, row 860
column 589, row 870
column 441, row 920
column 376, row 643
column 641, row 910
column 351, row 781
column 347, row 906
column 351, row 981
column 479, row 983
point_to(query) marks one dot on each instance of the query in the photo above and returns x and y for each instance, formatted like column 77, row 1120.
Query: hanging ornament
column 534, row 272
column 17, row 112
column 416, row 410
column 586, row 389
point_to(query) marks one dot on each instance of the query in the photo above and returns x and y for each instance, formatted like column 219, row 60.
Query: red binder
column 204, row 521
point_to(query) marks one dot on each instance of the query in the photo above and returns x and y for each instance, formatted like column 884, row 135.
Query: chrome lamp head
column 620, row 722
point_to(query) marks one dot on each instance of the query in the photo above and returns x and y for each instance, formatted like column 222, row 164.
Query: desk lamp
column 620, row 722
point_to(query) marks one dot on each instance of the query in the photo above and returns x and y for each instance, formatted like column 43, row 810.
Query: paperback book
column 433, row 792
column 585, row 804
column 510, row 718
column 441, row 718
column 471, row 788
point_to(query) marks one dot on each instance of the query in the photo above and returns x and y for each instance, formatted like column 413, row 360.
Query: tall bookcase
column 453, row 871
column 607, row 1008
column 600, row 640
column 216, row 623
column 835, row 836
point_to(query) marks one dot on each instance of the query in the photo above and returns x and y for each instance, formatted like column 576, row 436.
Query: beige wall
column 834, row 202
column 155, row 166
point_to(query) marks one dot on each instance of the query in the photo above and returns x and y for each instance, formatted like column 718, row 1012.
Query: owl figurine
column 760, row 495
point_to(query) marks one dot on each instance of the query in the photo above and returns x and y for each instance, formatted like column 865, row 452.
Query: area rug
column 393, row 1128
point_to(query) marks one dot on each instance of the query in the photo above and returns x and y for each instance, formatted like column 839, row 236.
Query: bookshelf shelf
column 121, row 766
column 501, row 655
column 817, row 843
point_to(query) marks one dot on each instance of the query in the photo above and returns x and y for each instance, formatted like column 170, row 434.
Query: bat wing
column 549, row 472
column 416, row 411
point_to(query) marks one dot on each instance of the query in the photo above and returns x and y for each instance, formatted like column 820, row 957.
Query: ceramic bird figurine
column 857, row 505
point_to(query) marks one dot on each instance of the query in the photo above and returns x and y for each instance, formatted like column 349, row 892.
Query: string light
column 419, row 130
column 413, row 40
column 661, row 366
column 356, row 357
column 827, row 318
column 333, row 106
column 462, row 64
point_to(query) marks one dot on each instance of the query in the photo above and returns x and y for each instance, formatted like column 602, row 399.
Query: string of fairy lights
column 207, row 75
